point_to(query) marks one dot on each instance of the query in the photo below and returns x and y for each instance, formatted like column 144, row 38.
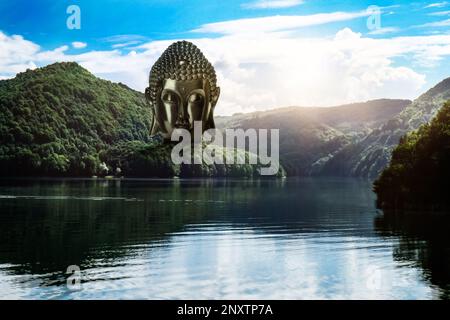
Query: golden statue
column 182, row 89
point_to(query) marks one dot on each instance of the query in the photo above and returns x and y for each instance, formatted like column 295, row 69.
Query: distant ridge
column 311, row 136
column 369, row 156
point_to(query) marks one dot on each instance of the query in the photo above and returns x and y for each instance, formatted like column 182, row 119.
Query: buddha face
column 182, row 89
column 181, row 102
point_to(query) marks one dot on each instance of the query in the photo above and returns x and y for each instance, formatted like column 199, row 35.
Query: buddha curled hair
column 182, row 60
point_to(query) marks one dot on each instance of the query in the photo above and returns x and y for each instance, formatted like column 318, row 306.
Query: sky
column 267, row 53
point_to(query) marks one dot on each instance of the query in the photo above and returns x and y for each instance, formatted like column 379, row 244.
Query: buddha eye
column 195, row 97
column 169, row 97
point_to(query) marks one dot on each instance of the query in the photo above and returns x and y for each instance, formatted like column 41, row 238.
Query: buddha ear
column 154, row 126
column 210, row 124
column 216, row 97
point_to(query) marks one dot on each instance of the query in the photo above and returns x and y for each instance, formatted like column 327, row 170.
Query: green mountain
column 349, row 140
column 61, row 120
column 369, row 156
column 58, row 119
column 311, row 136
column 418, row 175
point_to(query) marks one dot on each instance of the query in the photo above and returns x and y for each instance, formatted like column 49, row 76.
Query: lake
column 214, row 239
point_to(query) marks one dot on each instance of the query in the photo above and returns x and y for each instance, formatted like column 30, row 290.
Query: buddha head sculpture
column 182, row 89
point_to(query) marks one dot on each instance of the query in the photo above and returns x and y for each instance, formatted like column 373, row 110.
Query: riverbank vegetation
column 418, row 176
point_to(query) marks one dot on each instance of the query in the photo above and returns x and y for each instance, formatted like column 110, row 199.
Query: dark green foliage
column 418, row 175
column 56, row 120
column 138, row 159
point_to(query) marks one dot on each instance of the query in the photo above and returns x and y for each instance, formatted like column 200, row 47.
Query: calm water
column 284, row 239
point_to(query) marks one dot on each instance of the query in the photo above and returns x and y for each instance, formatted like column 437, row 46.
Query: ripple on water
column 164, row 240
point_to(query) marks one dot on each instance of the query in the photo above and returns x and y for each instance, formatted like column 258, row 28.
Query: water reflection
column 55, row 225
column 425, row 241
column 200, row 239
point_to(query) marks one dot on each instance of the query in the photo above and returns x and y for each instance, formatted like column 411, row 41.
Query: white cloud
column 384, row 30
column 277, row 23
column 124, row 38
column 16, row 54
column 79, row 45
column 259, row 73
column 440, row 13
column 270, row 4
column 126, row 44
column 437, row 5
column 442, row 23
column 263, row 70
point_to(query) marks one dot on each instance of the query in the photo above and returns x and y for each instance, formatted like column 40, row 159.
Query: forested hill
column 57, row 120
column 348, row 140
column 418, row 176
column 311, row 137
column 61, row 120
column 370, row 155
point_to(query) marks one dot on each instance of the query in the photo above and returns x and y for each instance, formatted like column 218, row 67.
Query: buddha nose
column 182, row 120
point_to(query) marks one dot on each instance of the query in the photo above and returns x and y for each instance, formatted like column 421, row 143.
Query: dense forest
column 56, row 120
column 138, row 159
column 418, row 175
column 61, row 120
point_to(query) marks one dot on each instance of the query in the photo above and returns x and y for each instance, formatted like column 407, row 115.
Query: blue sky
column 44, row 21
column 333, row 55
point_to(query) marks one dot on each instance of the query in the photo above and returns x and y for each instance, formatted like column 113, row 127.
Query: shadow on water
column 47, row 225
column 218, row 238
column 424, row 240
